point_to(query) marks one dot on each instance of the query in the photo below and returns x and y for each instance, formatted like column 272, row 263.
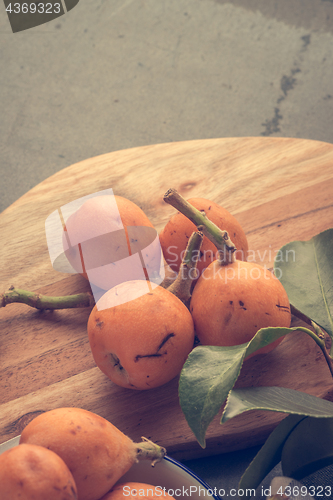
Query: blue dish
column 173, row 477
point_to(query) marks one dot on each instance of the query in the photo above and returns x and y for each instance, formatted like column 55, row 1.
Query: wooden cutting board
column 279, row 189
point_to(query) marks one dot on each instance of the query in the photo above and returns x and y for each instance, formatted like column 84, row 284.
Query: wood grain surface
column 279, row 189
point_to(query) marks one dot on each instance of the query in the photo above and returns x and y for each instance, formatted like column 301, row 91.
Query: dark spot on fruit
column 99, row 324
column 166, row 338
column 72, row 431
column 157, row 354
column 140, row 356
column 209, row 208
column 241, row 303
column 231, row 302
column 283, row 308
column 116, row 362
column 227, row 318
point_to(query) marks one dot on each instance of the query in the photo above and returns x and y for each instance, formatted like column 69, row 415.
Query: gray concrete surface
column 112, row 75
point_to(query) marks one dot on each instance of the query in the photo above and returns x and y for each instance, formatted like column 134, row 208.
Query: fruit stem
column 319, row 338
column 296, row 312
column 219, row 238
column 39, row 301
column 147, row 450
column 181, row 287
column 169, row 279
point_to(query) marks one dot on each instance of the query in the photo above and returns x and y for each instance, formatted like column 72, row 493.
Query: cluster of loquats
column 157, row 296
column 71, row 454
column 141, row 332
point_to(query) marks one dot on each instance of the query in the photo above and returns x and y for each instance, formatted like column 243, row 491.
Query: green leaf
column 305, row 269
column 278, row 399
column 269, row 454
column 298, row 404
column 210, row 373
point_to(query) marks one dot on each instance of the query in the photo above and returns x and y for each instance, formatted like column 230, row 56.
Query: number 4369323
column 34, row 8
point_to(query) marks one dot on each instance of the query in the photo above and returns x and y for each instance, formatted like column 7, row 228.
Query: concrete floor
column 112, row 75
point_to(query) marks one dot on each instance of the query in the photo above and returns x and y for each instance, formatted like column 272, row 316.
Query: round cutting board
column 279, row 189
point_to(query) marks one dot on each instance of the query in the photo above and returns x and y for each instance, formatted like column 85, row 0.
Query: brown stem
column 319, row 338
column 181, row 287
column 321, row 335
column 319, row 332
column 219, row 238
column 296, row 312
column 170, row 277
column 46, row 302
